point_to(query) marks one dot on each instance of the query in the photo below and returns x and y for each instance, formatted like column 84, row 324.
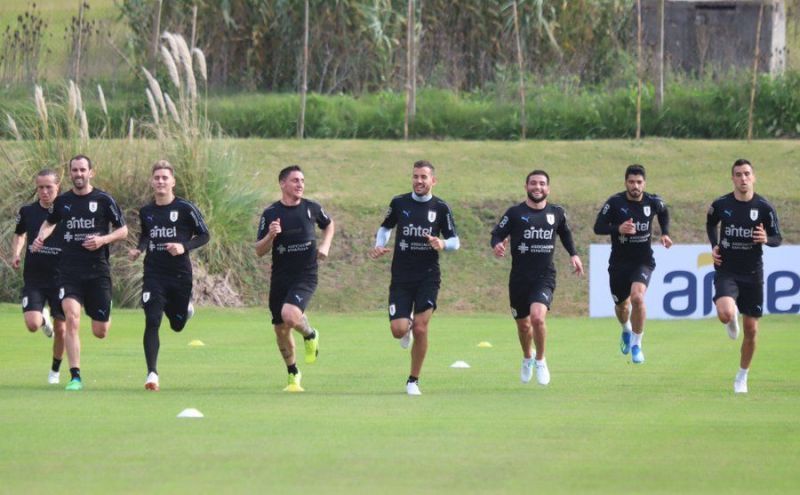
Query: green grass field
column 602, row 426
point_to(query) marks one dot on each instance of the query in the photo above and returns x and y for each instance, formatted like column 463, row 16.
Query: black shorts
column 417, row 297
column 621, row 277
column 169, row 296
column 522, row 295
column 747, row 290
column 297, row 293
column 94, row 293
column 34, row 298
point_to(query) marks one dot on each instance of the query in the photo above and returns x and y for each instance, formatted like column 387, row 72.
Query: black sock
column 310, row 336
column 75, row 373
column 151, row 346
column 412, row 379
column 292, row 368
column 56, row 365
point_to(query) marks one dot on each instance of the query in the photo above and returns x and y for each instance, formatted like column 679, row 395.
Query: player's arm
column 712, row 220
column 384, row 233
column 95, row 242
column 565, row 234
column 499, row 236
column 268, row 230
column 327, row 237
column 663, row 223
column 144, row 236
column 17, row 243
column 45, row 231
column 18, row 240
column 603, row 225
column 449, row 240
column 773, row 230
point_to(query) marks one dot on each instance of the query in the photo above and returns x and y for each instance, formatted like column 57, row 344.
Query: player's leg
column 293, row 313
column 59, row 329
column 638, row 315
column 72, row 339
column 541, row 297
column 177, row 296
column 97, row 303
column 726, row 292
column 520, row 311
column 35, row 312
column 620, row 286
column 283, row 335
column 419, row 349
column 401, row 319
column 751, row 300
column 153, row 302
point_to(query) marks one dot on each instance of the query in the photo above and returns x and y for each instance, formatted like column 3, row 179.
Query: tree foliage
column 358, row 45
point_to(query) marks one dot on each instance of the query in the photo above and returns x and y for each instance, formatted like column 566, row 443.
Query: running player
column 746, row 222
column 531, row 226
column 84, row 273
column 420, row 218
column 628, row 216
column 287, row 230
column 170, row 228
column 40, row 274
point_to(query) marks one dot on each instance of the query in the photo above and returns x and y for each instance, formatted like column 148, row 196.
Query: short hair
column 538, row 172
column 49, row 171
column 635, row 169
column 163, row 165
column 425, row 163
column 288, row 170
column 80, row 157
column 739, row 162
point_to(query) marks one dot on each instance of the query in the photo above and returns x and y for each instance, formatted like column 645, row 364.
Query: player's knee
column 100, row 331
column 537, row 320
column 420, row 330
column 291, row 317
column 399, row 327
column 637, row 299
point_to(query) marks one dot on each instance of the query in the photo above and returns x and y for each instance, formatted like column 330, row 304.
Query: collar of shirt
column 421, row 199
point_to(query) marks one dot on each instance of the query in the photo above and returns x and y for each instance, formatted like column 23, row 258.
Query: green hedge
column 693, row 109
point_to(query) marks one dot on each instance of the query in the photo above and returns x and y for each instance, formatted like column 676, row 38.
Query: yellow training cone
column 485, row 344
column 196, row 343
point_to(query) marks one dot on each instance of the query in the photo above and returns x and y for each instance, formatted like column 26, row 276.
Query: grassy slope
column 602, row 426
column 355, row 180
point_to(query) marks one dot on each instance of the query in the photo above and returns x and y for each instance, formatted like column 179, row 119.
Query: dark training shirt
column 178, row 222
column 41, row 268
column 294, row 250
column 632, row 249
column 533, row 240
column 414, row 259
column 736, row 220
column 81, row 217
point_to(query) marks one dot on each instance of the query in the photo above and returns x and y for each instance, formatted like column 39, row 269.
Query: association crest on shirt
column 431, row 216
column 173, row 215
column 646, row 210
column 93, row 206
column 754, row 214
column 551, row 218
column 145, row 296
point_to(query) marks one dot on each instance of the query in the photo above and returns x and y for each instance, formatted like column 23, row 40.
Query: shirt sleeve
column 390, row 220
column 117, row 219
column 501, row 230
column 54, row 213
column 144, row 235
column 774, row 238
column 263, row 225
column 663, row 215
column 20, row 227
column 321, row 218
column 712, row 219
column 565, row 234
column 603, row 225
column 447, row 226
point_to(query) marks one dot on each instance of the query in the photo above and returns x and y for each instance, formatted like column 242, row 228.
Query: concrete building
column 716, row 34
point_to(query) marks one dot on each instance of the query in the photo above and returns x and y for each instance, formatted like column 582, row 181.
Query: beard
column 535, row 199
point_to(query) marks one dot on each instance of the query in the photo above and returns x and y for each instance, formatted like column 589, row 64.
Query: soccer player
column 746, row 222
column 84, row 273
column 287, row 230
column 420, row 218
column 171, row 227
column 40, row 274
column 628, row 216
column 531, row 226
